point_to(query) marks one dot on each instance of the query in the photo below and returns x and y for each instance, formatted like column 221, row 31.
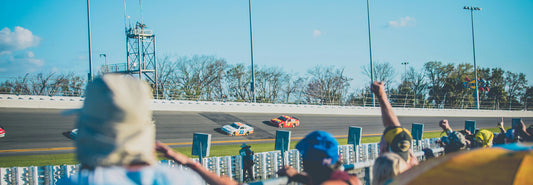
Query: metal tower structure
column 141, row 55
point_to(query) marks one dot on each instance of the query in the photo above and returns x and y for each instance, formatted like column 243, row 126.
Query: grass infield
column 216, row 150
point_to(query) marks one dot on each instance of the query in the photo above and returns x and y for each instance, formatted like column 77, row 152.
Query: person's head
column 244, row 145
column 444, row 124
column 386, row 166
column 397, row 140
column 483, row 138
column 320, row 152
column 115, row 123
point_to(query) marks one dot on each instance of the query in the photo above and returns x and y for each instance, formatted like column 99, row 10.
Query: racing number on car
column 241, row 132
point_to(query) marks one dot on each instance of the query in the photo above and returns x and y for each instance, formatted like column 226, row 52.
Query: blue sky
column 51, row 36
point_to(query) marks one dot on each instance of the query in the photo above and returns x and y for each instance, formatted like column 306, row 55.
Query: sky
column 295, row 35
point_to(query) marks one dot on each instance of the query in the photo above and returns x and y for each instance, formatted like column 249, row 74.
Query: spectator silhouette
column 247, row 162
column 321, row 162
column 116, row 142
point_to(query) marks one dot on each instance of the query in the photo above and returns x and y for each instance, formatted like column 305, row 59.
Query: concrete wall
column 47, row 102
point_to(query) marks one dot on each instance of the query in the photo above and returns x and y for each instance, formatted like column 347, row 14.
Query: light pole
column 471, row 8
column 89, row 35
column 370, row 51
column 252, row 84
column 405, row 81
column 405, row 70
column 105, row 61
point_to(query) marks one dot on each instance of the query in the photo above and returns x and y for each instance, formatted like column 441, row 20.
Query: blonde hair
column 387, row 166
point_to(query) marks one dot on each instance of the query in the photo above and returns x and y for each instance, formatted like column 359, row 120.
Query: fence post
column 34, row 175
column 368, row 175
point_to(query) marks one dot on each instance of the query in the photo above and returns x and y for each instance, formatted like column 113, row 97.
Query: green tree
column 515, row 84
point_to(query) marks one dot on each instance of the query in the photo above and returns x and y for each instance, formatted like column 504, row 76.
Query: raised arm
column 387, row 115
column 501, row 126
column 208, row 176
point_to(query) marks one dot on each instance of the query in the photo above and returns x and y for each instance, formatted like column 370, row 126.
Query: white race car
column 73, row 134
column 238, row 129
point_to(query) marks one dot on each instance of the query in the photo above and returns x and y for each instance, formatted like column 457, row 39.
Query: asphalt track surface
column 43, row 131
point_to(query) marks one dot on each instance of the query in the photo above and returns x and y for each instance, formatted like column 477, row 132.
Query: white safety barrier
column 266, row 164
column 60, row 102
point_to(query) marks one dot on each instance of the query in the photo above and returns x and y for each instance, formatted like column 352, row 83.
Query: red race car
column 2, row 131
column 285, row 121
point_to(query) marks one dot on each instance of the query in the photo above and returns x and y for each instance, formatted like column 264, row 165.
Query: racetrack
column 40, row 131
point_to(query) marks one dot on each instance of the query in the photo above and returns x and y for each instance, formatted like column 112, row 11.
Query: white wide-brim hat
column 115, row 123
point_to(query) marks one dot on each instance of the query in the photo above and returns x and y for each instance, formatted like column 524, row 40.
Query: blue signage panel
column 470, row 125
column 283, row 140
column 354, row 135
column 201, row 144
column 417, row 131
column 516, row 123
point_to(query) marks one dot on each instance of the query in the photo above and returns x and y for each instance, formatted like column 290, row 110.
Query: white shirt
column 149, row 175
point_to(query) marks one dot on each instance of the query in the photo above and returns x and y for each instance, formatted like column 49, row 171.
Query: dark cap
column 399, row 140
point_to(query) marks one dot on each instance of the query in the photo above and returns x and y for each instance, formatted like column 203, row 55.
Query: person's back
column 156, row 174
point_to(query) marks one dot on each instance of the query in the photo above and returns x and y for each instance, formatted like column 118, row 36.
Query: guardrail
column 267, row 164
column 63, row 102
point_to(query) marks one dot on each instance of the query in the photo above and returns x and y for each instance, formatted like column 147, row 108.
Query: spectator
column 505, row 137
column 521, row 131
column 483, row 138
column 386, row 166
column 453, row 141
column 500, row 138
column 116, row 142
column 321, row 162
column 247, row 162
column 529, row 130
column 395, row 138
column 469, row 137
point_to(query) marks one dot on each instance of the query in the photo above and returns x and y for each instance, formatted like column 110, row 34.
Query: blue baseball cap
column 319, row 145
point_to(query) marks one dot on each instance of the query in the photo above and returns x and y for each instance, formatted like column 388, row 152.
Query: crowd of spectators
column 116, row 143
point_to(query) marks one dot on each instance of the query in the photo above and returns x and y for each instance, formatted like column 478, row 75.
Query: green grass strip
column 216, row 151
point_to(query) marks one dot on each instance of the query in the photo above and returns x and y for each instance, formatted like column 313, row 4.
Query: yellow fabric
column 389, row 136
column 523, row 175
column 484, row 137
column 482, row 166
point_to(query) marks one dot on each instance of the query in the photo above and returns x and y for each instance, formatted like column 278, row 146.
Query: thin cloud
column 316, row 33
column 402, row 22
column 21, row 62
column 18, row 39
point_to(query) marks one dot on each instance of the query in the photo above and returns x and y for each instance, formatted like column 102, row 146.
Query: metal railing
column 267, row 164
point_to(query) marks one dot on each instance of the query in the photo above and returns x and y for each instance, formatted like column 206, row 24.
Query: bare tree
column 238, row 82
column 295, row 86
column 417, row 83
column 198, row 76
column 166, row 68
column 269, row 83
column 327, row 85
column 383, row 72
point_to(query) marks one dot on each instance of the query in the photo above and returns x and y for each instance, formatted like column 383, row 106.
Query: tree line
column 208, row 78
